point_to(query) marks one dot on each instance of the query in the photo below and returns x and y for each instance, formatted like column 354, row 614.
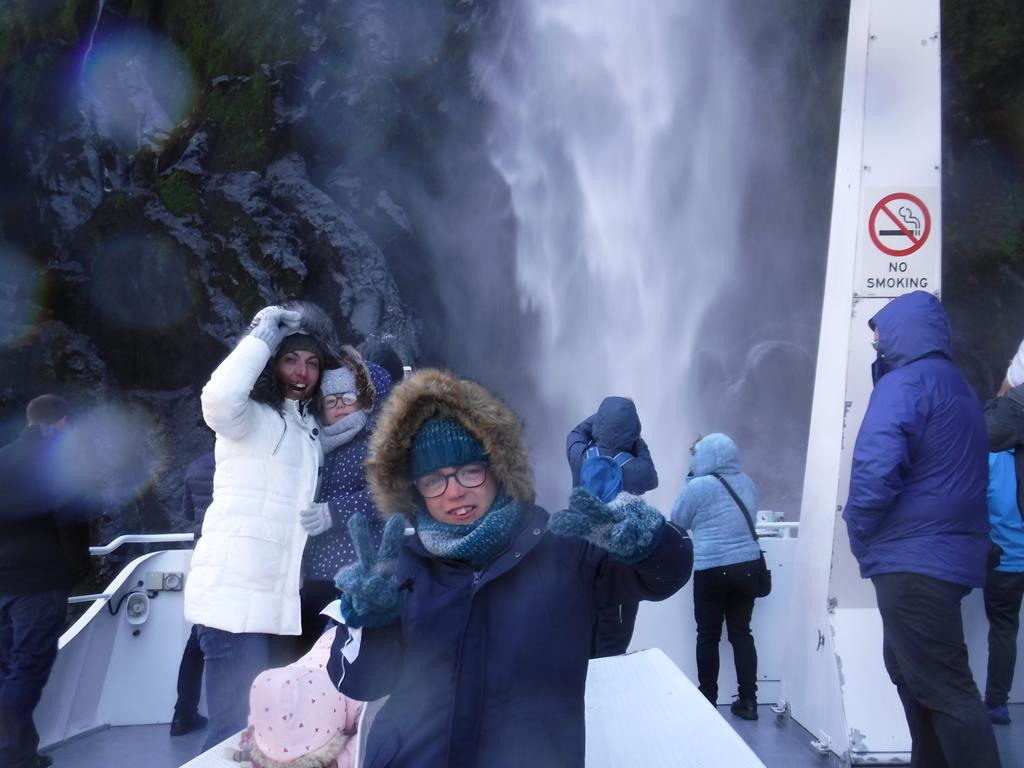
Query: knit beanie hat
column 443, row 443
column 338, row 380
column 296, row 342
column 1015, row 373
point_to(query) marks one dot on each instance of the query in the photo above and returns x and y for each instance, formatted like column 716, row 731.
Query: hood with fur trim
column 430, row 393
column 365, row 388
column 315, row 323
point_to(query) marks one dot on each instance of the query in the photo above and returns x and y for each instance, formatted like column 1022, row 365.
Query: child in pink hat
column 298, row 719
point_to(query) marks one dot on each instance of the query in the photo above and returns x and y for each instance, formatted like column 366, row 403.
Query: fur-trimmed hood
column 365, row 388
column 422, row 396
column 315, row 323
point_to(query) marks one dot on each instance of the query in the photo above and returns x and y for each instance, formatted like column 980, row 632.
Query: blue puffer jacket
column 345, row 491
column 1003, row 512
column 920, row 471
column 487, row 669
column 615, row 428
column 720, row 534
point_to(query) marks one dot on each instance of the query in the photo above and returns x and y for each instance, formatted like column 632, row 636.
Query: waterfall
column 670, row 165
column 92, row 33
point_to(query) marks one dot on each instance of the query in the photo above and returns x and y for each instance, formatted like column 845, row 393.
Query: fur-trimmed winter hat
column 351, row 375
column 428, row 395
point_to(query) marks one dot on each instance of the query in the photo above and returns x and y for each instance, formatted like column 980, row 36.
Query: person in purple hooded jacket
column 614, row 429
column 917, row 519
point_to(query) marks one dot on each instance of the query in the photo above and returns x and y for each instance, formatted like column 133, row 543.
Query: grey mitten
column 370, row 594
column 626, row 526
column 272, row 324
column 316, row 518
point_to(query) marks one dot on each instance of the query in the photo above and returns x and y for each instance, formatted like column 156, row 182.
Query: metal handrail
column 784, row 529
column 140, row 538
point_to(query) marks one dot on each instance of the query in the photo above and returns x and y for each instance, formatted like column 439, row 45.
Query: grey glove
column 272, row 324
column 316, row 518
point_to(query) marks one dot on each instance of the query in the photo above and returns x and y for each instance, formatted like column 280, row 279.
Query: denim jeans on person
column 233, row 660
column 725, row 593
column 30, row 626
column 926, row 658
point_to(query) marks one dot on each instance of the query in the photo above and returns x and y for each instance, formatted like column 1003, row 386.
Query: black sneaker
column 182, row 724
column 745, row 708
column 43, row 761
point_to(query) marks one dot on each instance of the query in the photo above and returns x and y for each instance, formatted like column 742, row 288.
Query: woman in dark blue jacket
column 478, row 626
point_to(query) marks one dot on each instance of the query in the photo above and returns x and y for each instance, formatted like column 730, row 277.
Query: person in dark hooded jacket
column 918, row 525
column 349, row 396
column 243, row 583
column 614, row 430
column 478, row 626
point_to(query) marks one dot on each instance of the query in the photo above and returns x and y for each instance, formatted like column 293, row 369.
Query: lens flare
column 21, row 295
column 136, row 86
column 110, row 454
column 141, row 282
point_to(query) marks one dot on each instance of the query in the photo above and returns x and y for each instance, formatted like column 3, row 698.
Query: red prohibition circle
column 915, row 243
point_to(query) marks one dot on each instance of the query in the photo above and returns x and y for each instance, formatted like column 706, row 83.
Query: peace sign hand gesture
column 370, row 594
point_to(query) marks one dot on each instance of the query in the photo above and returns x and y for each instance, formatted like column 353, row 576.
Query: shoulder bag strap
column 742, row 506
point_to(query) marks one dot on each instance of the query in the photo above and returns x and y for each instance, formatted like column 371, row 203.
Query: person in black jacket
column 44, row 552
column 198, row 495
column 614, row 430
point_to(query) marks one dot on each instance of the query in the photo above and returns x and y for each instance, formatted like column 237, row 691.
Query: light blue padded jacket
column 706, row 509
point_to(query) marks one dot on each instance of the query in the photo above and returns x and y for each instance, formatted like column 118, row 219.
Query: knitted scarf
column 342, row 431
column 476, row 543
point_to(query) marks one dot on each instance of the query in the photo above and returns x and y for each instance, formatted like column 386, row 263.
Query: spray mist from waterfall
column 670, row 234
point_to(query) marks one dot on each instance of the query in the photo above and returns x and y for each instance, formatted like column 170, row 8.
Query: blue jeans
column 30, row 625
column 232, row 663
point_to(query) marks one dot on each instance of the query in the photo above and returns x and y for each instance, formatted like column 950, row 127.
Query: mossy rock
column 178, row 193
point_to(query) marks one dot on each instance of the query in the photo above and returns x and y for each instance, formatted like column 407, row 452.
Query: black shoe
column 43, row 761
column 182, row 724
column 745, row 708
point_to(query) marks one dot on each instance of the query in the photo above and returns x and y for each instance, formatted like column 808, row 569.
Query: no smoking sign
column 899, row 224
column 901, row 252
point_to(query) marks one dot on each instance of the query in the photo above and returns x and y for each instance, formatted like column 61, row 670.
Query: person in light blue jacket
column 726, row 561
column 1004, row 587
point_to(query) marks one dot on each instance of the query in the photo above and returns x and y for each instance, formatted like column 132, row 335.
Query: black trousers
column 1003, row 594
column 925, row 655
column 190, row 676
column 725, row 593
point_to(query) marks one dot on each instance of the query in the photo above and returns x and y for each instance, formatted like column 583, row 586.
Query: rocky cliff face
column 171, row 168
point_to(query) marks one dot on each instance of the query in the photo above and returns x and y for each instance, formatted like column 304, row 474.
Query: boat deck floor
column 779, row 742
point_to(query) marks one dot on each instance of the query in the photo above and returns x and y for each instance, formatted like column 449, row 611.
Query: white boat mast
column 885, row 241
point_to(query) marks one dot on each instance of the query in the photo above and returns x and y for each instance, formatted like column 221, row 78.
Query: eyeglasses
column 435, row 484
column 345, row 398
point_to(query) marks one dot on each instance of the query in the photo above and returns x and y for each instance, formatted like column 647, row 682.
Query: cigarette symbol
column 913, row 225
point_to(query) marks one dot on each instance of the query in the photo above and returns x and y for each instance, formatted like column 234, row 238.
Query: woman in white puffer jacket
column 243, row 585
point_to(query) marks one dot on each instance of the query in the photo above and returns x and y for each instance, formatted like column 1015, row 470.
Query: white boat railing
column 140, row 538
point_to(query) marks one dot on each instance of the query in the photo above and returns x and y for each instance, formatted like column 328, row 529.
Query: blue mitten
column 370, row 594
column 626, row 526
